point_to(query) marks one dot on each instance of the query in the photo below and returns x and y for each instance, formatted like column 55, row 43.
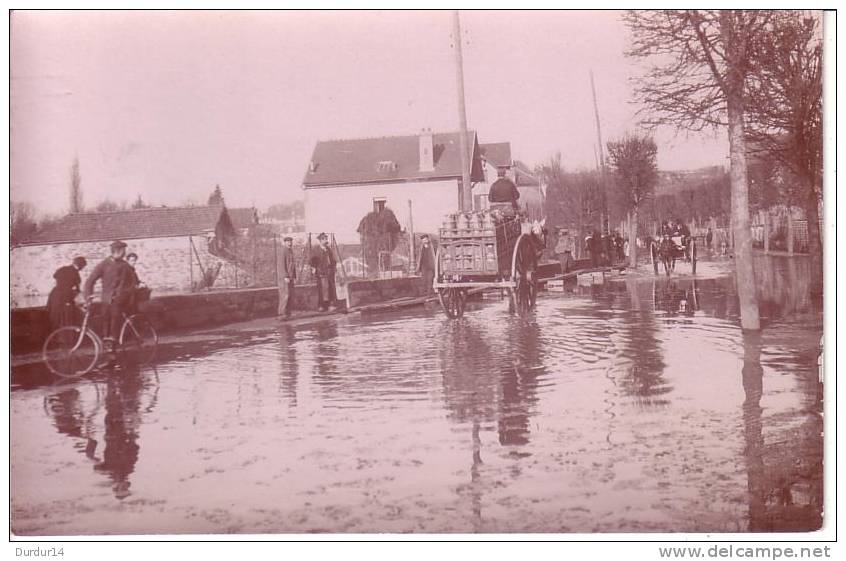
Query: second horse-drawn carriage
column 487, row 249
column 667, row 249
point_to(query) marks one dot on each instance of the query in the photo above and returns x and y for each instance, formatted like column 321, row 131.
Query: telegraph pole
column 465, row 195
column 604, row 224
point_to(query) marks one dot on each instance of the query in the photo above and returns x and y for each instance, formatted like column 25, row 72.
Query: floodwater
column 636, row 406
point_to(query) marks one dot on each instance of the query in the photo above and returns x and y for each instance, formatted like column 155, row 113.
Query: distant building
column 346, row 179
column 172, row 243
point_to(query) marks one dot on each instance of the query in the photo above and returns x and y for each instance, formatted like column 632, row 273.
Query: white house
column 415, row 175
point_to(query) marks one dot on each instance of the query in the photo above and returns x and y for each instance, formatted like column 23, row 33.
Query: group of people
column 120, row 290
column 323, row 265
column 606, row 249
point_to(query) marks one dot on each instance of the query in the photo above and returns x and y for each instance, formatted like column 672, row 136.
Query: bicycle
column 74, row 351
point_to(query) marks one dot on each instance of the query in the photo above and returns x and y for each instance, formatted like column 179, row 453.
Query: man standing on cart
column 503, row 195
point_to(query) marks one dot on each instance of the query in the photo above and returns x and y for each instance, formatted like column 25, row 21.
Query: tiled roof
column 497, row 153
column 155, row 222
column 387, row 159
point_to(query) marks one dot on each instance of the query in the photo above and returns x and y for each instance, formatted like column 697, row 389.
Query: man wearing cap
column 117, row 282
column 323, row 265
column 286, row 273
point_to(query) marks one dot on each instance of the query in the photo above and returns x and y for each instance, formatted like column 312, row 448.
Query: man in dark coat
column 323, row 265
column 503, row 193
column 286, row 273
column 60, row 301
column 426, row 264
column 117, row 285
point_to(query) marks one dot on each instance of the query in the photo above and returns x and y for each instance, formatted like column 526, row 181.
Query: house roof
column 154, row 222
column 497, row 153
column 387, row 159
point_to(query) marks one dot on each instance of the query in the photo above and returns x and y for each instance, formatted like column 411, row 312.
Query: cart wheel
column 453, row 301
column 523, row 267
column 693, row 255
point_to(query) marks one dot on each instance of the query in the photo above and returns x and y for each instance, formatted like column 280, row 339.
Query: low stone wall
column 30, row 326
column 363, row 292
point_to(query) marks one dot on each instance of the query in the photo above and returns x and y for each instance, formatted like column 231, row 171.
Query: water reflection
column 641, row 347
column 326, row 371
column 784, row 476
column 121, row 396
column 288, row 367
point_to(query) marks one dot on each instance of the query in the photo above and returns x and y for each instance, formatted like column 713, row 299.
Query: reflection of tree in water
column 784, row 478
column 288, row 358
column 784, row 285
column 643, row 377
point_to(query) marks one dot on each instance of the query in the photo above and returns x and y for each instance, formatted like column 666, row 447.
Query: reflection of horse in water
column 676, row 297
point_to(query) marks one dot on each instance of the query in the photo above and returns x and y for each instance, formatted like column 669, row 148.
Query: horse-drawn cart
column 486, row 250
column 667, row 249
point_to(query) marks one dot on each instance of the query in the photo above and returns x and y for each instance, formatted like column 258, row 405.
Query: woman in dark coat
column 60, row 301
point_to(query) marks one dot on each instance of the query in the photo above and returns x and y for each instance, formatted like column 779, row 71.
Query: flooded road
column 634, row 406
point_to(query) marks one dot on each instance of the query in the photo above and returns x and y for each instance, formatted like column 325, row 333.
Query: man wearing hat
column 286, row 273
column 323, row 265
column 117, row 282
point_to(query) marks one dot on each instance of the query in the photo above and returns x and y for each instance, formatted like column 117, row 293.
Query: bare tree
column 702, row 60
column 22, row 224
column 785, row 110
column 633, row 160
column 75, row 188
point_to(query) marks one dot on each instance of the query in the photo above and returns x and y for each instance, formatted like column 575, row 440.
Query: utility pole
column 601, row 157
column 465, row 195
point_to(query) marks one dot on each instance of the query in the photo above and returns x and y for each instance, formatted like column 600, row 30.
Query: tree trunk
column 790, row 240
column 633, row 239
column 745, row 272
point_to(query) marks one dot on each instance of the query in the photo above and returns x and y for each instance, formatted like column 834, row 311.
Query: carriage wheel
column 693, row 255
column 523, row 271
column 453, row 301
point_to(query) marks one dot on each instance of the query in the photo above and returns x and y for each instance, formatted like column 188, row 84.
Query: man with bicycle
column 117, row 280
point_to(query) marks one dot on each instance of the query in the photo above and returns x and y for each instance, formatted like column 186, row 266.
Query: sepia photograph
column 412, row 273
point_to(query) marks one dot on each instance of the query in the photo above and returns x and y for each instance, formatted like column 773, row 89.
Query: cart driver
column 503, row 194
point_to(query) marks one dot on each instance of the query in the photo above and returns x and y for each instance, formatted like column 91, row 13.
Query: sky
column 168, row 104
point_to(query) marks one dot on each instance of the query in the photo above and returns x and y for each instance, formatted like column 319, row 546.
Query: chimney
column 427, row 157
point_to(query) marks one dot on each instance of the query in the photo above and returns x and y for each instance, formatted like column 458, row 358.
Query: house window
column 379, row 204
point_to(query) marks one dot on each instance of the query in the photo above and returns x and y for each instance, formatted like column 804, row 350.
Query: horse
column 664, row 251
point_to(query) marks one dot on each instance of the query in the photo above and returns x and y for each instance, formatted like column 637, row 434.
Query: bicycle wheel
column 70, row 353
column 138, row 337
